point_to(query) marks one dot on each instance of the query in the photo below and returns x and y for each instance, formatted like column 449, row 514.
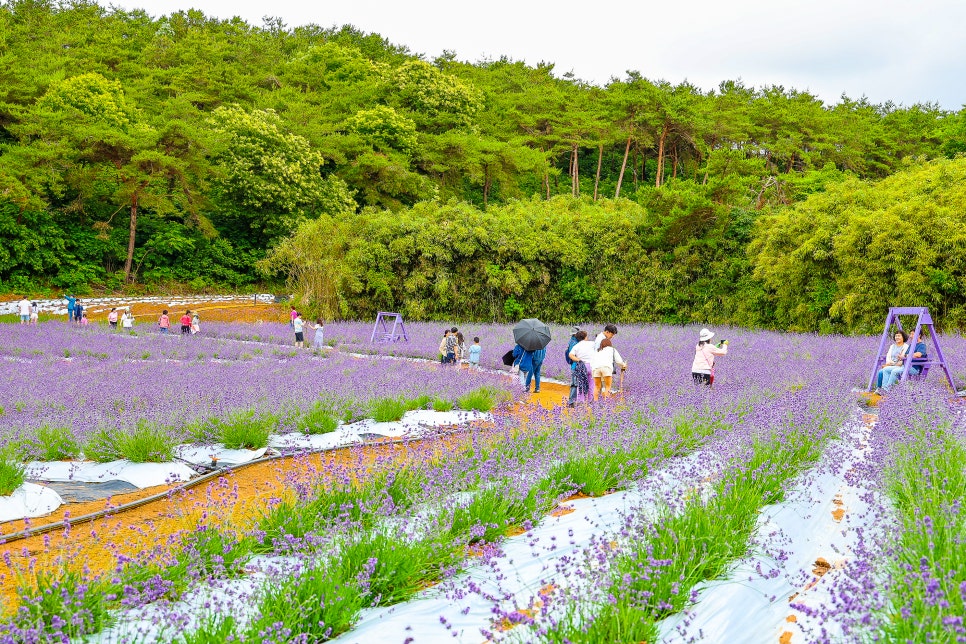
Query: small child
column 475, row 351
column 84, row 321
column 112, row 318
column 195, row 324
column 34, row 314
column 186, row 322
column 164, row 322
column 318, row 341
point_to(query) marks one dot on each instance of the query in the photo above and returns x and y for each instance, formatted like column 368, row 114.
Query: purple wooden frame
column 398, row 331
column 923, row 321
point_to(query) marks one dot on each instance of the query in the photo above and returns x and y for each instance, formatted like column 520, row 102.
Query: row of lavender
column 77, row 382
column 341, row 548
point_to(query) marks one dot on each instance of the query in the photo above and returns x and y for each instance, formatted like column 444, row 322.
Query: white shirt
column 600, row 338
column 584, row 351
column 127, row 321
column 606, row 357
column 24, row 307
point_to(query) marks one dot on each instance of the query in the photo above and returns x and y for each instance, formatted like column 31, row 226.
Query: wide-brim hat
column 706, row 334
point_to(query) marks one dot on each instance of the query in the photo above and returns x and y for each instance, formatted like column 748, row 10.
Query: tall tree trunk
column 674, row 164
column 130, row 240
column 546, row 183
column 620, row 178
column 637, row 150
column 659, row 175
column 600, row 160
column 575, row 184
column 486, row 186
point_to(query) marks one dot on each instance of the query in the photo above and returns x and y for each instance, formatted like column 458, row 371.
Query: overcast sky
column 905, row 51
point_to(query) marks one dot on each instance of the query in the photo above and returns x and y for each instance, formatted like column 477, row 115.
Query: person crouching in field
column 702, row 368
column 186, row 323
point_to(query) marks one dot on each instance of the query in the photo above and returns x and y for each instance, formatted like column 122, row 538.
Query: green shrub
column 420, row 402
column 12, row 472
column 76, row 605
column 319, row 419
column 442, row 405
column 388, row 409
column 53, row 443
column 488, row 515
column 146, row 443
column 316, row 603
column 245, row 429
column 212, row 630
column 482, row 399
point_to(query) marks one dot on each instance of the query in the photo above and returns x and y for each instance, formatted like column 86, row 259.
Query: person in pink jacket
column 702, row 369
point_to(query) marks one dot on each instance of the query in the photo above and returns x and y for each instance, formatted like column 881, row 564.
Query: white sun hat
column 706, row 334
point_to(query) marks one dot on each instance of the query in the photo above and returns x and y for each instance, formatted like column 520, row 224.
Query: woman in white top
column 602, row 366
column 702, row 369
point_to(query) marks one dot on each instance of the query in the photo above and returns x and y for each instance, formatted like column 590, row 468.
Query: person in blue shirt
column 475, row 351
column 531, row 365
column 78, row 311
column 71, row 302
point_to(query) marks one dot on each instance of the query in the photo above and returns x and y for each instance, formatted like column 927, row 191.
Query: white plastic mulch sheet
column 814, row 531
column 413, row 424
column 203, row 455
column 29, row 500
column 141, row 475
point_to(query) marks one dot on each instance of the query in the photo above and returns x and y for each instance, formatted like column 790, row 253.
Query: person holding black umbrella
column 532, row 337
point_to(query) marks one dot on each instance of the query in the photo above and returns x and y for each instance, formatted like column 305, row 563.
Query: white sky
column 906, row 51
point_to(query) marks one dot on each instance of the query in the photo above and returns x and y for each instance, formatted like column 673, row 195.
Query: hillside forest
column 189, row 152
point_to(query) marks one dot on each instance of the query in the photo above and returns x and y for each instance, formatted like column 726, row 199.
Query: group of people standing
column 298, row 325
column 453, row 349
column 594, row 364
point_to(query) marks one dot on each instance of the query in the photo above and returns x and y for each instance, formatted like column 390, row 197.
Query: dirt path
column 232, row 501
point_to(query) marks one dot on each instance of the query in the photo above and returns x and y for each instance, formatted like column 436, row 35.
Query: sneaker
column 536, row 391
column 614, row 391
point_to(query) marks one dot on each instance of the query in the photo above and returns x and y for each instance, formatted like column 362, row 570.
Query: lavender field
column 770, row 508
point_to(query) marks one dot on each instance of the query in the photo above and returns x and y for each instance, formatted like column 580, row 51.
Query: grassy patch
column 52, row 443
column 245, row 429
column 12, row 472
column 145, row 443
column 483, row 399
column 321, row 418
column 317, row 604
column 388, row 409
column 489, row 513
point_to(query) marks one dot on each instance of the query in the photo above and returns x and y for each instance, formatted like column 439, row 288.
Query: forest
column 185, row 152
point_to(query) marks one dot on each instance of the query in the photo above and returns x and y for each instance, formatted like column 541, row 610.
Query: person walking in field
column 78, row 311
column 186, row 323
column 112, row 318
column 462, row 356
column 291, row 317
column 195, row 324
column 451, row 344
column 299, row 325
column 702, row 368
column 127, row 321
column 24, row 307
column 34, row 313
column 164, row 322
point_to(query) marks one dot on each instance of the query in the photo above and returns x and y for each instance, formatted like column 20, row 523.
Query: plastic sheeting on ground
column 413, row 424
column 28, row 500
column 818, row 521
column 203, row 454
column 141, row 475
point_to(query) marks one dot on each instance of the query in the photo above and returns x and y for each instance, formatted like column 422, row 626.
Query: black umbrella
column 531, row 334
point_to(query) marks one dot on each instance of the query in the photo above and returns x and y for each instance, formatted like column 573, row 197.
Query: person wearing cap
column 702, row 369
column 572, row 400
